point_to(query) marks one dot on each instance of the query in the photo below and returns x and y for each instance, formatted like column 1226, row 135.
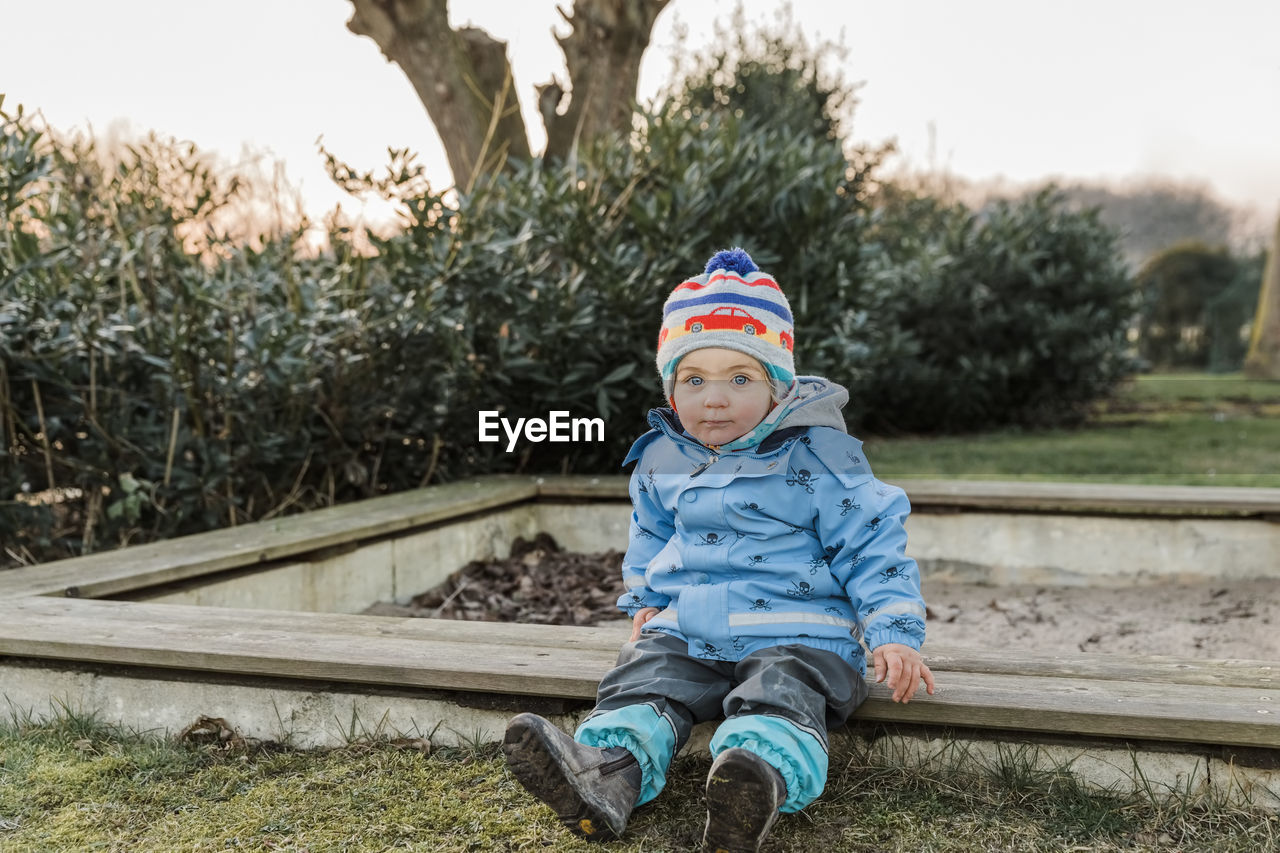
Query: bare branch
column 602, row 54
column 462, row 78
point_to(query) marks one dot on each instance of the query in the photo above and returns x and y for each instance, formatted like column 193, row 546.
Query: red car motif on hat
column 726, row 318
column 787, row 341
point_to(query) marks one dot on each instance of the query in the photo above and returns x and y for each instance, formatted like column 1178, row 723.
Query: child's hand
column 641, row 617
column 901, row 668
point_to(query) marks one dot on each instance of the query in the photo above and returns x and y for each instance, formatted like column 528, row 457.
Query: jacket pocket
column 704, row 612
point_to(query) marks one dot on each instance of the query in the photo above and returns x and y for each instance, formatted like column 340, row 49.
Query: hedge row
column 164, row 379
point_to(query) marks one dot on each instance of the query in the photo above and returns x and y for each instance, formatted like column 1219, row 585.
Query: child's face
column 721, row 394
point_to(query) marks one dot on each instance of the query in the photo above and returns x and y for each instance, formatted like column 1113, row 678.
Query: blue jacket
column 792, row 541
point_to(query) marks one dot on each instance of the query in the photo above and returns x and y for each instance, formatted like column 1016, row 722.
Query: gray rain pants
column 779, row 703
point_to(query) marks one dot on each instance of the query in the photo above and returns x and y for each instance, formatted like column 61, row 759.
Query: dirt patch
column 539, row 582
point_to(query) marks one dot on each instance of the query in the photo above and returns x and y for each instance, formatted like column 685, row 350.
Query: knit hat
column 731, row 305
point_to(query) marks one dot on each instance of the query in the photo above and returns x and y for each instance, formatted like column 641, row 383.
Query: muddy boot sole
column 743, row 796
column 586, row 799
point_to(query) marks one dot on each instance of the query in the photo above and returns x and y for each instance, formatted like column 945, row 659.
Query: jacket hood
column 818, row 402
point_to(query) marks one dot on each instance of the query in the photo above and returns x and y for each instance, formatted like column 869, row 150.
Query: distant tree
column 463, row 77
column 1230, row 313
column 1152, row 217
column 1188, row 313
column 1263, row 359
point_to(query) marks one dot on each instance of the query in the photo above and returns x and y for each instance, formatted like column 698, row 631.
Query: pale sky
column 1023, row 89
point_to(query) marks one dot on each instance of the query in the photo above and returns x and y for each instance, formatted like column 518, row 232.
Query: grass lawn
column 74, row 785
column 1189, row 429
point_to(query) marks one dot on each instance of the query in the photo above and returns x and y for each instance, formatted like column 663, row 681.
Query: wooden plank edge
column 20, row 618
column 1161, row 669
column 1092, row 498
column 106, row 574
column 969, row 704
column 113, row 572
column 973, row 701
column 574, row 487
column 1011, row 496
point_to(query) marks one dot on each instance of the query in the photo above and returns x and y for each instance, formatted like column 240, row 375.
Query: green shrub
column 557, row 273
column 158, row 391
column 766, row 75
column 1014, row 315
column 170, row 379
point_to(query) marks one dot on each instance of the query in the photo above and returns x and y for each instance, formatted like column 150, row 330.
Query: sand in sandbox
column 539, row 582
column 1228, row 619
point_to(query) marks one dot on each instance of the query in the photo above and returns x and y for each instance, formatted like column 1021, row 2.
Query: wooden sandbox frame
column 255, row 625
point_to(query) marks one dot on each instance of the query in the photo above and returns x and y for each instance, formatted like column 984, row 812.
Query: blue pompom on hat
column 731, row 305
column 731, row 260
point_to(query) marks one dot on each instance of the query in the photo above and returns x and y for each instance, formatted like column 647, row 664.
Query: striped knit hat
column 731, row 305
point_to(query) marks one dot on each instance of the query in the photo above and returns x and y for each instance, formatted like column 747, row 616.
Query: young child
column 763, row 558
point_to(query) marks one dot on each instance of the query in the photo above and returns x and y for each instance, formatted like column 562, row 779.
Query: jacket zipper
column 704, row 466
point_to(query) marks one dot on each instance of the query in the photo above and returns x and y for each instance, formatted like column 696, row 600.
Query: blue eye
column 740, row 379
column 695, row 381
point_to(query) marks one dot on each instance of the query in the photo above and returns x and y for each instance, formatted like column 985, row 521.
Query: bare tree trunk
column 1263, row 360
column 602, row 55
column 463, row 77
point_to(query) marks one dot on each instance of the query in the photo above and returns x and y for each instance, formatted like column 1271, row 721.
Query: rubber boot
column 591, row 790
column 744, row 793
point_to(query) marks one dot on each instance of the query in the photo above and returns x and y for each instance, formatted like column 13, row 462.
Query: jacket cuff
column 631, row 609
column 878, row 637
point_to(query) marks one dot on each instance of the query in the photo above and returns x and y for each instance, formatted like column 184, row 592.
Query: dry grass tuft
column 75, row 784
